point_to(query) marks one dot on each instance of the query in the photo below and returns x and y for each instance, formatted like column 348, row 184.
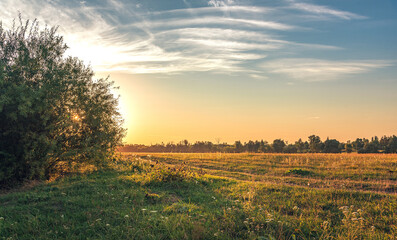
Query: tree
column 315, row 144
column 358, row 145
column 348, row 147
column 290, row 148
column 391, row 145
column 332, row 146
column 51, row 108
column 302, row 147
column 278, row 145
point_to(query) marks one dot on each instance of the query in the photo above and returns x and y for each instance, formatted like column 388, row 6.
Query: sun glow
column 76, row 117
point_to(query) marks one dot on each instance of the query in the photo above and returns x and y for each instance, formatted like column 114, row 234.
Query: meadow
column 212, row 196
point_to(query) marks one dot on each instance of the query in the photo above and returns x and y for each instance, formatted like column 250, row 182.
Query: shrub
column 51, row 108
column 180, row 173
column 298, row 171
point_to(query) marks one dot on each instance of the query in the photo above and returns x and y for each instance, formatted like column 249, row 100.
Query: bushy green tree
column 315, row 144
column 290, row 148
column 51, row 108
column 278, row 145
column 332, row 146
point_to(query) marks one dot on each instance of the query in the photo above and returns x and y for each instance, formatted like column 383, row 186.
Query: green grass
column 191, row 196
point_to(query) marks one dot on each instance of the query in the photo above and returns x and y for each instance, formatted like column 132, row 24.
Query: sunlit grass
column 211, row 196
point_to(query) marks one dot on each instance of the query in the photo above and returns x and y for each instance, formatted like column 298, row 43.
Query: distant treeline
column 313, row 145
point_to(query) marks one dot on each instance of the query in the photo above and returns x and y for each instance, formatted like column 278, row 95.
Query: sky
column 227, row 70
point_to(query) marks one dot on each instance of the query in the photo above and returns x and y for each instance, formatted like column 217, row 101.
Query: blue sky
column 254, row 64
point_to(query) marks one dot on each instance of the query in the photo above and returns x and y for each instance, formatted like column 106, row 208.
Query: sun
column 76, row 117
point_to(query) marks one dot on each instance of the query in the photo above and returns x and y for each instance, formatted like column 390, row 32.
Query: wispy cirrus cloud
column 314, row 70
column 220, row 3
column 218, row 36
column 324, row 10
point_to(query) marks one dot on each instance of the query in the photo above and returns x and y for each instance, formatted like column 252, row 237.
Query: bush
column 298, row 171
column 51, row 108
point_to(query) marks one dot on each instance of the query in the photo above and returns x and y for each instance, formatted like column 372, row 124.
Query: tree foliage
column 384, row 145
column 51, row 108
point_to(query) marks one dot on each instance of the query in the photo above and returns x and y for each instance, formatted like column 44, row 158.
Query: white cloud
column 216, row 21
column 324, row 10
column 206, row 10
column 220, row 3
column 312, row 70
column 223, row 37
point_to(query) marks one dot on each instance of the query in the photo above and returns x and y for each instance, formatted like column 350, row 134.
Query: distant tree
column 348, row 147
column 372, row 146
column 290, row 148
column 264, row 147
column 238, row 147
column 358, row 145
column 302, row 147
column 331, row 146
column 383, row 142
column 392, row 145
column 278, row 145
column 51, row 108
column 315, row 144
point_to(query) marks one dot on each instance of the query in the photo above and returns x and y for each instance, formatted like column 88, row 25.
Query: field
column 212, row 196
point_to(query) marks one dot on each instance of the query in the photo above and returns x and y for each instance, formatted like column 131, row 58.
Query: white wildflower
column 325, row 224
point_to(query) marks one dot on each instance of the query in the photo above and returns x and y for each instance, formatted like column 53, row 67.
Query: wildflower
column 62, row 216
column 63, row 193
column 153, row 211
column 107, row 225
column 213, row 197
column 143, row 209
column 1, row 218
column 126, row 216
column 325, row 224
column 246, row 222
column 98, row 220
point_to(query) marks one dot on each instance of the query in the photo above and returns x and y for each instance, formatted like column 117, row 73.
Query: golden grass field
column 212, row 196
column 356, row 172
